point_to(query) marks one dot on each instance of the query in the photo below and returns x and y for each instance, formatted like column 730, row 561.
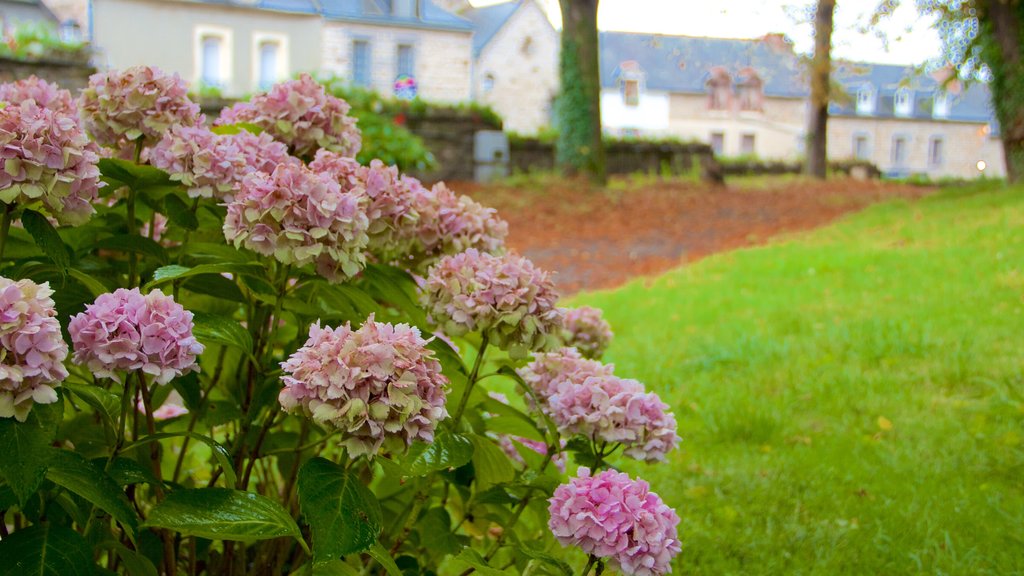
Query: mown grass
column 851, row 400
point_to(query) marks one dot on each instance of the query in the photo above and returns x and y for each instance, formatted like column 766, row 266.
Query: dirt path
column 601, row 239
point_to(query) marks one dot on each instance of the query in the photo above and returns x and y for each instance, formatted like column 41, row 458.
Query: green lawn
column 851, row 400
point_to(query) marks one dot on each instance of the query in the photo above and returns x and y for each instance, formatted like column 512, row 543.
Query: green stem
column 5, row 227
column 472, row 381
column 133, row 258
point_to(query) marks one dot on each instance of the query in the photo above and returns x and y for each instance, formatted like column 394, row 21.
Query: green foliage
column 849, row 399
column 40, row 41
column 47, row 551
column 344, row 514
column 223, row 514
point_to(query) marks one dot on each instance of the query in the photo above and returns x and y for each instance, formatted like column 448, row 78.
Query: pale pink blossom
column 44, row 94
column 585, row 329
column 612, row 517
column 33, row 351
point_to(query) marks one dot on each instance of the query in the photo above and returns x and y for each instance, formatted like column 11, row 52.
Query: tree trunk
column 579, row 105
column 821, row 67
column 1006, row 20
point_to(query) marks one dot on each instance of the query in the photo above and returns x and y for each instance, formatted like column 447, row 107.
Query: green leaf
column 492, row 466
column 511, row 421
column 72, row 471
column 133, row 243
column 94, row 285
column 397, row 288
column 344, row 515
column 331, row 568
column 171, row 272
column 223, row 514
column 100, row 399
column 228, row 129
column 219, row 452
column 383, row 557
column 448, row 450
column 126, row 471
column 45, row 550
column 435, row 530
column 131, row 174
column 47, row 238
column 179, row 213
column 26, row 448
column 214, row 329
column 135, row 563
column 215, row 285
column 475, row 560
column 549, row 559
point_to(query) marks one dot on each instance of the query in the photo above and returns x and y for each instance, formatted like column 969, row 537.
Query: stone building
column 515, row 66
column 744, row 97
column 13, row 12
column 906, row 122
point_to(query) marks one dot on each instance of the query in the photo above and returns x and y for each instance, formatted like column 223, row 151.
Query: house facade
column 744, row 97
column 906, row 122
column 14, row 12
column 515, row 63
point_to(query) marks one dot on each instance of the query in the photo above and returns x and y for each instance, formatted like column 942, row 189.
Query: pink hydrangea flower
column 31, row 364
column 300, row 217
column 121, row 107
column 546, row 370
column 449, row 224
column 44, row 94
column 506, row 298
column 46, row 158
column 585, row 329
column 391, row 210
column 376, row 384
column 301, row 114
column 613, row 517
column 172, row 407
column 127, row 331
column 614, row 410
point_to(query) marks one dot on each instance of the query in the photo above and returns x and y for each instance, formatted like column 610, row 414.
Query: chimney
column 778, row 42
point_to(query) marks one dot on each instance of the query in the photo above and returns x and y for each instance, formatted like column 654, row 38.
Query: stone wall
column 72, row 75
column 449, row 135
column 625, row 157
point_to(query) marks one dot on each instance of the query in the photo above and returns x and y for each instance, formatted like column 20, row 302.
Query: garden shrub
column 240, row 350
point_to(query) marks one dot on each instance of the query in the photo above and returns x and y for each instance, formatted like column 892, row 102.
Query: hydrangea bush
column 234, row 349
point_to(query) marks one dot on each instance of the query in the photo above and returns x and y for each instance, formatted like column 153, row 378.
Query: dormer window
column 630, row 82
column 406, row 8
column 631, row 92
column 941, row 104
column 719, row 87
column 903, row 104
column 866, row 100
column 750, row 91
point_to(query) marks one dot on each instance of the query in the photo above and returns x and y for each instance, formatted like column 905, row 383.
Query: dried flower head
column 124, row 331
column 48, row 162
column 122, row 109
column 610, row 516
column 449, row 224
column 375, row 384
column 300, row 217
column 301, row 114
column 585, row 329
column 32, row 350
column 506, row 298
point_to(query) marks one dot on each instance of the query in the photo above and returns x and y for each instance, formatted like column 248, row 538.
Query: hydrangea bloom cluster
column 300, row 217
column 547, row 370
column 121, row 107
column 392, row 197
column 126, row 331
column 614, row 410
column 44, row 94
column 450, row 224
column 585, row 329
column 172, row 407
column 301, row 114
column 31, row 362
column 47, row 158
column 613, row 517
column 375, row 384
column 505, row 297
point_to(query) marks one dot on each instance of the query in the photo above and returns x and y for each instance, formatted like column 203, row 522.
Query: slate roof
column 488, row 20
column 379, row 12
column 684, row 63
column 972, row 104
column 294, row 6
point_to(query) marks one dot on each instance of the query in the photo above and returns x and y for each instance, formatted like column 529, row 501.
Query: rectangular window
column 718, row 143
column 860, row 147
column 899, row 151
column 940, row 107
column 747, row 145
column 361, row 63
column 631, row 92
column 211, row 73
column 749, row 96
column 406, row 61
column 936, row 153
column 269, row 55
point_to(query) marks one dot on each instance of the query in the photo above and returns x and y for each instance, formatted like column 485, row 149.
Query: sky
column 911, row 38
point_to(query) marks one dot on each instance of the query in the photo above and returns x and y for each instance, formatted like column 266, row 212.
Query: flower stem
column 5, row 227
column 473, row 376
column 590, row 564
